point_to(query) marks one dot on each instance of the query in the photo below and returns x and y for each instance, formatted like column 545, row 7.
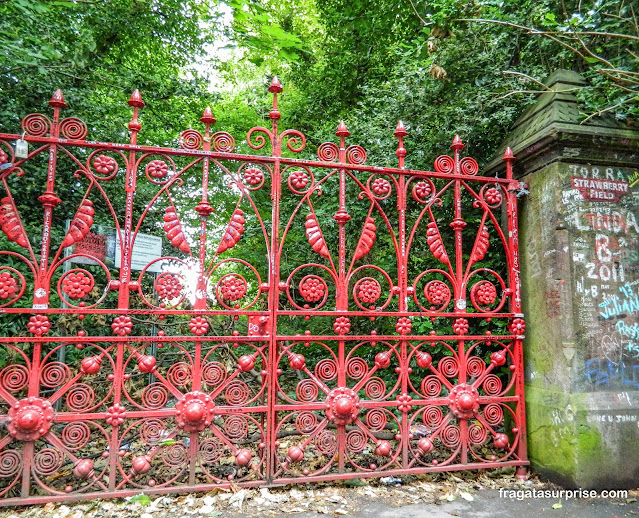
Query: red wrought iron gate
column 210, row 316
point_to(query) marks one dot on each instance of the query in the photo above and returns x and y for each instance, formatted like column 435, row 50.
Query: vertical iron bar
column 515, row 308
column 274, row 287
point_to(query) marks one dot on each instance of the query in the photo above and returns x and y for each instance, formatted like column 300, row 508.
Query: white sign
column 146, row 248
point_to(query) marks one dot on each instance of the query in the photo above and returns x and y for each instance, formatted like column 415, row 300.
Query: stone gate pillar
column 579, row 247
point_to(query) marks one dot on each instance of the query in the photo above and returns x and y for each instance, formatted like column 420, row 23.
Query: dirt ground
column 453, row 493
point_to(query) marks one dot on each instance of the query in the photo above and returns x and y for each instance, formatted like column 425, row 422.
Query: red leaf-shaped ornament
column 367, row 239
column 80, row 225
column 173, row 229
column 233, row 232
column 314, row 235
column 481, row 247
column 435, row 243
column 10, row 224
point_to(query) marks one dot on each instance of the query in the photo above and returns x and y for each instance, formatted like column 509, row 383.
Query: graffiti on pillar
column 602, row 204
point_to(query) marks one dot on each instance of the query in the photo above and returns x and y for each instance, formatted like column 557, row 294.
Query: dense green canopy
column 434, row 65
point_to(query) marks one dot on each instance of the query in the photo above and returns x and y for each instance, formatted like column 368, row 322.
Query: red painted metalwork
column 325, row 326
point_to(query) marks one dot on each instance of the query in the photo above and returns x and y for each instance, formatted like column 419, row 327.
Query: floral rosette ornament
column 436, row 292
column 485, row 293
column 39, row 325
column 169, row 286
column 312, row 289
column 403, row 326
column 198, row 326
column 253, row 176
column 422, row 190
column 299, row 179
column 105, row 165
column 369, row 291
column 233, row 288
column 493, row 196
column 381, row 186
column 122, row 325
column 8, row 286
column 157, row 169
column 115, row 415
column 77, row 285
column 342, row 325
column 517, row 326
column 460, row 326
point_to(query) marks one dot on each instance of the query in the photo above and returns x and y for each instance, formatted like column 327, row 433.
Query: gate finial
column 400, row 133
column 57, row 100
column 509, row 158
column 136, row 99
column 136, row 102
column 207, row 116
column 342, row 130
column 457, row 144
column 276, row 86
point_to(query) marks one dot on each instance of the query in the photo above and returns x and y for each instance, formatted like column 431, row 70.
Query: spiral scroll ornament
column 356, row 368
column 80, row 397
column 154, row 396
column 355, row 155
column 152, row 431
column 450, row 436
column 326, row 369
column 191, row 139
column 328, row 152
column 444, row 164
column 10, row 463
column 431, row 386
column 376, row 419
column 213, row 374
column 14, row 378
column 375, row 388
column 36, row 125
column 237, row 393
column 469, row 166
column 75, row 436
column 222, row 142
column 175, row 455
column 54, row 374
column 493, row 414
column 477, row 434
column 307, row 391
column 305, row 422
column 47, row 462
column 210, row 450
column 73, row 128
column 326, row 443
column 432, row 417
column 236, row 427
column 356, row 441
